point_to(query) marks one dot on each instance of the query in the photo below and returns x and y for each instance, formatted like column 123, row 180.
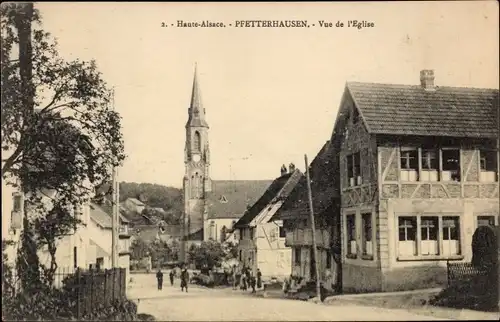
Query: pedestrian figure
column 171, row 275
column 159, row 278
column 252, row 283
column 248, row 278
column 184, row 279
column 259, row 278
column 234, row 277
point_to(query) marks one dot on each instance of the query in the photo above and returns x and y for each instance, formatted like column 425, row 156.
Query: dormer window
column 223, row 199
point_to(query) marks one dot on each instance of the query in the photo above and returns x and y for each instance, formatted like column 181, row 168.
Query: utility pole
column 313, row 229
column 116, row 210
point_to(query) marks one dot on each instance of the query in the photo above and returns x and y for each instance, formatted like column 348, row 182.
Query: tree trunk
column 50, row 273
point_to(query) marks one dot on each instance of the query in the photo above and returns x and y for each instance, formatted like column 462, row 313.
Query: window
column 241, row 255
column 17, row 199
column 451, row 165
column 409, row 164
column 282, row 232
column 354, row 169
column 437, row 237
column 485, row 221
column 429, row 235
column 213, row 232
column 351, row 236
column 197, row 141
column 451, row 236
column 16, row 215
column 75, row 257
column 430, row 165
column 488, row 164
column 296, row 255
column 328, row 260
column 252, row 232
column 367, row 234
column 407, row 236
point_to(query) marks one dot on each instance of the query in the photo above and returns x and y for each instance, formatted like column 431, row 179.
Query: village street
column 202, row 304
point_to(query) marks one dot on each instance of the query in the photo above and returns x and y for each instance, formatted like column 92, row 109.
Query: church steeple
column 196, row 111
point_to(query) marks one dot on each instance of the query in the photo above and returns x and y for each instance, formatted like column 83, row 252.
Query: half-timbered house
column 419, row 172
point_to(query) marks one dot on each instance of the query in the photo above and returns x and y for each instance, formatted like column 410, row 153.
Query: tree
column 60, row 135
column 139, row 249
column 209, row 253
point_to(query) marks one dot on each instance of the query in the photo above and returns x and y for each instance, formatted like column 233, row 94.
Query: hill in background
column 168, row 199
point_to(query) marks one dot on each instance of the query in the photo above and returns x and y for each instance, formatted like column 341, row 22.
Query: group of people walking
column 184, row 276
column 247, row 279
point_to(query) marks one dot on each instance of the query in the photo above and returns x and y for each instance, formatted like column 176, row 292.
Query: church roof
column 279, row 189
column 230, row 198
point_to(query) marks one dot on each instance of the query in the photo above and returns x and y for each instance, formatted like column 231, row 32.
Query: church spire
column 196, row 110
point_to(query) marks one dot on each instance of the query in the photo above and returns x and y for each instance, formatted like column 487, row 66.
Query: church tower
column 196, row 181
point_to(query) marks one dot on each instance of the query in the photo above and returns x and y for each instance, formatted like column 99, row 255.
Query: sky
column 271, row 94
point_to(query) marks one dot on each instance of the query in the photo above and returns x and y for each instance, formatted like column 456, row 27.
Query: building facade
column 262, row 235
column 419, row 172
column 295, row 214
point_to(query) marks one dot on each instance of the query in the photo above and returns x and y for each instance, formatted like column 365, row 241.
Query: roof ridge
column 419, row 86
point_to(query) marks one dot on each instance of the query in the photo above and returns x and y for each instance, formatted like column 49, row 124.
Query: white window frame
column 423, row 247
column 367, row 246
column 352, row 160
column 407, row 173
column 485, row 174
column 351, row 243
column 491, row 215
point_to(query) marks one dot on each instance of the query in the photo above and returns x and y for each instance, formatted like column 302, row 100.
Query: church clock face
column 196, row 158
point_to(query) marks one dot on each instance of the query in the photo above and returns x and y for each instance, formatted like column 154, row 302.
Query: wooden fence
column 94, row 288
column 465, row 272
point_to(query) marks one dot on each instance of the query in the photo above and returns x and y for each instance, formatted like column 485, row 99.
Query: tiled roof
column 412, row 110
column 107, row 206
column 101, row 214
column 323, row 186
column 136, row 202
column 231, row 198
column 149, row 233
column 100, row 252
column 279, row 188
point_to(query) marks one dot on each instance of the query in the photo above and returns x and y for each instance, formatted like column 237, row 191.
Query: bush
column 472, row 294
column 55, row 305
column 50, row 304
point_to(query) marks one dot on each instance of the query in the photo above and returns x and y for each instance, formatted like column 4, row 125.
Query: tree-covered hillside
column 155, row 196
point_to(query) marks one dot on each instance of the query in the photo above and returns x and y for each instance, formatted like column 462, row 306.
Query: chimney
column 291, row 168
column 283, row 170
column 427, row 79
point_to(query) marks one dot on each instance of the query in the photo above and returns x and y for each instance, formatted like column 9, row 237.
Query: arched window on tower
column 197, row 141
column 194, row 185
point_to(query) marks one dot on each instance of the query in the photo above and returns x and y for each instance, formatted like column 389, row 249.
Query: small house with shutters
column 418, row 172
column 262, row 235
